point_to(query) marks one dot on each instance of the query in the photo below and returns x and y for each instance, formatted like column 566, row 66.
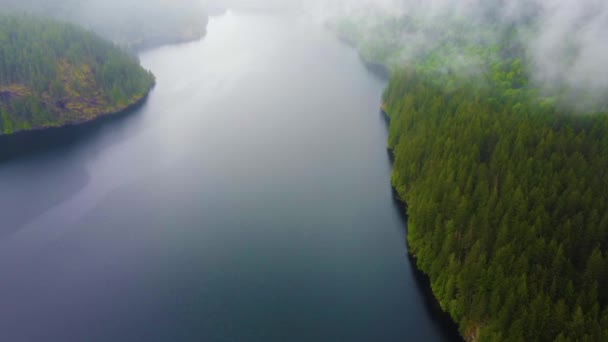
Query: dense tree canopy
column 52, row 74
column 505, row 180
column 508, row 210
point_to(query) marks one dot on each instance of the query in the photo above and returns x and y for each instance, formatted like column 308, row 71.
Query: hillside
column 508, row 210
column 54, row 74
column 504, row 177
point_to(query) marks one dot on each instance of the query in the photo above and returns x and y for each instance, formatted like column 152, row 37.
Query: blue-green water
column 248, row 200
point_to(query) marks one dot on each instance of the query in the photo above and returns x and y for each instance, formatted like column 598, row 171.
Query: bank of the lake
column 36, row 138
column 483, row 207
column 92, row 115
column 55, row 74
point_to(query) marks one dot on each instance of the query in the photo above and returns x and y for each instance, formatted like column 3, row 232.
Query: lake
column 248, row 199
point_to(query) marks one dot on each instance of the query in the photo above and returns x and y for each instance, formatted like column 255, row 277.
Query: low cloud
column 566, row 41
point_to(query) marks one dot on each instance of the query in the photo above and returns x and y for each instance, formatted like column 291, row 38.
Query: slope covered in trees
column 508, row 210
column 54, row 74
column 505, row 180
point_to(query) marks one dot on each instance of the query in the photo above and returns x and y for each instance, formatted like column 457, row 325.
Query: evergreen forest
column 504, row 178
column 54, row 74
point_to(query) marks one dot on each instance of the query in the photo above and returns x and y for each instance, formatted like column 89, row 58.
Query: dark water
column 247, row 200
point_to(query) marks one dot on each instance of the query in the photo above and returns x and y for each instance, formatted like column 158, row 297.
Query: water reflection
column 248, row 200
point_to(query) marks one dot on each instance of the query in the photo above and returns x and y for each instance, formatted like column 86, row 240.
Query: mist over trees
column 561, row 43
column 133, row 24
column 501, row 161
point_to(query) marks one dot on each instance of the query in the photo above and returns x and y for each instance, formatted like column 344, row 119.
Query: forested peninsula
column 54, row 74
column 504, row 179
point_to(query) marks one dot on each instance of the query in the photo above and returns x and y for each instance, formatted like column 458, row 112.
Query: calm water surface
column 247, row 200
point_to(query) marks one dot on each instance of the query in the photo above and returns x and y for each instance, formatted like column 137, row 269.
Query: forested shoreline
column 504, row 180
column 507, row 212
column 54, row 74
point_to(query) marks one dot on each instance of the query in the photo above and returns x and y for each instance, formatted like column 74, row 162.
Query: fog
column 571, row 43
column 566, row 40
column 135, row 24
column 145, row 22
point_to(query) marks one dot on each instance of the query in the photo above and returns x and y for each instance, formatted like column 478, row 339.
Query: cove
column 248, row 199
